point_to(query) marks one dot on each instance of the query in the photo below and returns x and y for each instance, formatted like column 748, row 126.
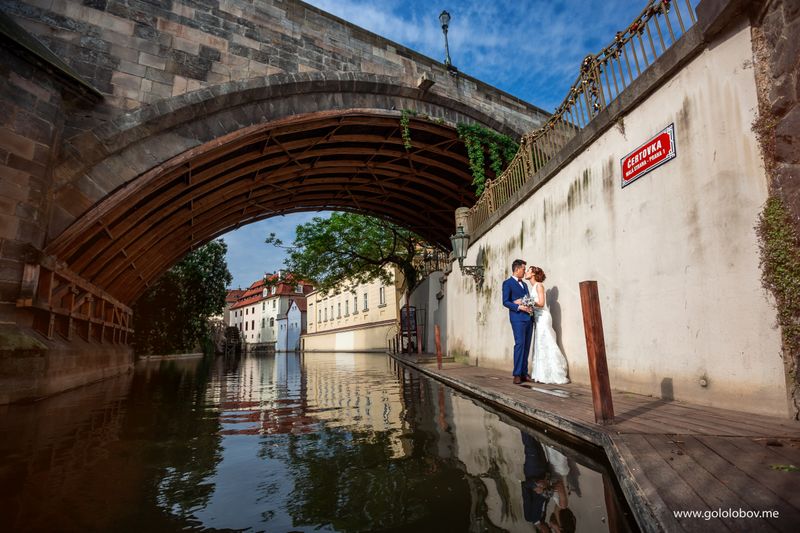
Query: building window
column 382, row 296
column 319, row 318
column 366, row 305
column 252, row 324
column 271, row 322
column 273, row 303
column 347, row 308
column 339, row 310
column 245, row 326
column 263, row 305
column 331, row 312
column 246, row 310
column 355, row 303
column 326, row 314
column 263, row 322
column 299, row 289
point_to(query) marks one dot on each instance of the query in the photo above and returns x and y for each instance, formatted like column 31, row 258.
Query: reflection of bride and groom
column 531, row 323
column 547, row 473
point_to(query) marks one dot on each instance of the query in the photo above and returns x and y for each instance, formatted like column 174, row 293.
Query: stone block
column 207, row 52
column 11, row 270
column 27, row 165
column 16, row 144
column 8, row 226
column 150, row 60
column 9, row 291
column 8, row 206
column 787, row 140
column 127, row 81
column 134, row 69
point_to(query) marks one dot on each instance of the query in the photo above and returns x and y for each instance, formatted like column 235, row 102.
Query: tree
column 352, row 247
column 173, row 314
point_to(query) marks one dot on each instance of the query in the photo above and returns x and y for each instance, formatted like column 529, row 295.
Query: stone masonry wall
column 139, row 52
column 777, row 32
column 30, row 124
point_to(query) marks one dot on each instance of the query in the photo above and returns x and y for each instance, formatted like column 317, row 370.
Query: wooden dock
column 668, row 456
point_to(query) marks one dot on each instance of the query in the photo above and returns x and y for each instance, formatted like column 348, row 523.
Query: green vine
column 405, row 119
column 478, row 141
column 780, row 267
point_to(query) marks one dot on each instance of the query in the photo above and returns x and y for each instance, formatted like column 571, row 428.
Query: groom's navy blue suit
column 521, row 324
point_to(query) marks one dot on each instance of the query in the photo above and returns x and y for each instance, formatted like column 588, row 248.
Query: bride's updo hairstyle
column 538, row 274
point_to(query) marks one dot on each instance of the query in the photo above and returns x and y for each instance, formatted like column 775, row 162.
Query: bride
column 547, row 362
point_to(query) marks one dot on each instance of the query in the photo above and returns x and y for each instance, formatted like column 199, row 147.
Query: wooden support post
column 596, row 350
column 437, row 339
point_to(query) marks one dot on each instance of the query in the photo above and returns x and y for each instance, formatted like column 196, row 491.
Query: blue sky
column 528, row 48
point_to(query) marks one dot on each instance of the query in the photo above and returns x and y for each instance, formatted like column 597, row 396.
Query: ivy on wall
column 480, row 141
column 780, row 274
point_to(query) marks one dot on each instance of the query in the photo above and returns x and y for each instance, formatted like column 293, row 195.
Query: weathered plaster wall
column 674, row 254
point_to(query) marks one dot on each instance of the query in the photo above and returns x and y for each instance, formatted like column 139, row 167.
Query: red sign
column 649, row 156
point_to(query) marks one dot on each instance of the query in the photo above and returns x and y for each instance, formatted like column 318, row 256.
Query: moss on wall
column 780, row 268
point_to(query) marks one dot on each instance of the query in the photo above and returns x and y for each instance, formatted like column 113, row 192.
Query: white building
column 359, row 318
column 263, row 304
column 291, row 326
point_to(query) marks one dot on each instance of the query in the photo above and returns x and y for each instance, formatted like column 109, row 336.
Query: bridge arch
column 137, row 194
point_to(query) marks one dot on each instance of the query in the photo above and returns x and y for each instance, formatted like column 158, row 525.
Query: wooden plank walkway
column 668, row 456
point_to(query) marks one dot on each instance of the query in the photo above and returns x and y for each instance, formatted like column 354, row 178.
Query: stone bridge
column 132, row 131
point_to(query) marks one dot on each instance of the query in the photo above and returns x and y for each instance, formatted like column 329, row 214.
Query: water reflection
column 334, row 442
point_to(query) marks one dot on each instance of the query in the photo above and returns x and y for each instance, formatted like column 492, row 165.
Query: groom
column 521, row 322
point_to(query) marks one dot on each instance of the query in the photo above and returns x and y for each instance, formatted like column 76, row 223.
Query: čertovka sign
column 649, row 156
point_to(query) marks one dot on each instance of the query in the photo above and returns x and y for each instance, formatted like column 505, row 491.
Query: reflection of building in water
column 496, row 455
column 293, row 393
column 368, row 404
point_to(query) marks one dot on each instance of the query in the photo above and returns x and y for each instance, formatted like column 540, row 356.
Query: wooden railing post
column 596, row 350
column 437, row 338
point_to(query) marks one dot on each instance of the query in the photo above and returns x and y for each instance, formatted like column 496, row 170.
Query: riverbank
column 669, row 457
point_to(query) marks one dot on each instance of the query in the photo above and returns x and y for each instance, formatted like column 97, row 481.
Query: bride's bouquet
column 528, row 301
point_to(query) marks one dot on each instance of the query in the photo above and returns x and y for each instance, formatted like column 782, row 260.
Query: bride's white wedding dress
column 547, row 363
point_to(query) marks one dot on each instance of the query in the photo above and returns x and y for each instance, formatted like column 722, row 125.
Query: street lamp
column 460, row 242
column 444, row 18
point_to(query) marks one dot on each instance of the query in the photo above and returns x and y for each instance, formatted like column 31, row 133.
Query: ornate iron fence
column 601, row 79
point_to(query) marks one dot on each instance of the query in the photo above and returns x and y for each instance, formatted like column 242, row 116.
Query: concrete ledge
column 32, row 367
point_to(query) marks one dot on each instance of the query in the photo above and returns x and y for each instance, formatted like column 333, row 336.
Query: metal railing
column 602, row 78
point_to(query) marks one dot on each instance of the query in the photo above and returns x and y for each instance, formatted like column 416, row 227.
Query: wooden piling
column 437, row 338
column 596, row 350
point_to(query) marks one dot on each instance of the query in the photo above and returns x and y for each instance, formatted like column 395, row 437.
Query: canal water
column 289, row 442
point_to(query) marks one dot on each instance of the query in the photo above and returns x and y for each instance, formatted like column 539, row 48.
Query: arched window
column 271, row 322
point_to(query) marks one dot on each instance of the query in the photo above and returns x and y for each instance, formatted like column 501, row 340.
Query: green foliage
column 479, row 141
column 172, row 315
column 785, row 468
column 405, row 120
column 351, row 246
column 780, row 267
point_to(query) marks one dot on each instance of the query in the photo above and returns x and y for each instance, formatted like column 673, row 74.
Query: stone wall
column 30, row 127
column 674, row 253
column 777, row 40
column 140, row 52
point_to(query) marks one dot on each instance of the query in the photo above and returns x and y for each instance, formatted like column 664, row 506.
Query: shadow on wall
column 667, row 393
column 551, row 296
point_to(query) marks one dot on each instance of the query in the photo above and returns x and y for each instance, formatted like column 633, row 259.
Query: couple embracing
column 523, row 295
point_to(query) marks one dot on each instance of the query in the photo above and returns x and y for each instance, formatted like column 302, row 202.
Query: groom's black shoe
column 517, row 380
